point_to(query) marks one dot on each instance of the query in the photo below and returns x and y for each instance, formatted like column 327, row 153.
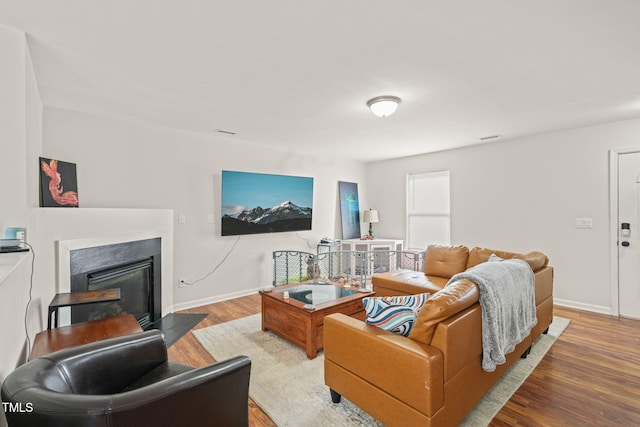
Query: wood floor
column 590, row 377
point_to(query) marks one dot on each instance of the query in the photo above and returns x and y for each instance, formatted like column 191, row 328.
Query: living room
column 522, row 192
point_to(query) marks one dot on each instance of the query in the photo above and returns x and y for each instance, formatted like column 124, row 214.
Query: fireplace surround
column 133, row 266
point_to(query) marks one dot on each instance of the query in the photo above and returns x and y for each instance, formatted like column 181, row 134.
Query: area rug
column 290, row 388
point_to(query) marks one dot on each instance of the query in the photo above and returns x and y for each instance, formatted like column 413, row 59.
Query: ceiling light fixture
column 383, row 106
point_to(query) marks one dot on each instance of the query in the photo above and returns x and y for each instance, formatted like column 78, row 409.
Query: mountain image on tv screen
column 254, row 203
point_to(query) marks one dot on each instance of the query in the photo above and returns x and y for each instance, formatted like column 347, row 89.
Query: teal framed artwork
column 349, row 210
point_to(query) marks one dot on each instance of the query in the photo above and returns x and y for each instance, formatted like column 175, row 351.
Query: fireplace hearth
column 133, row 267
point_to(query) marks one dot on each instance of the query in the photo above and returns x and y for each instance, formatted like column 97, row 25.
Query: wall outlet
column 182, row 283
column 586, row 223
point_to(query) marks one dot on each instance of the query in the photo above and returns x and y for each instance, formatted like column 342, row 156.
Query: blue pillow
column 396, row 314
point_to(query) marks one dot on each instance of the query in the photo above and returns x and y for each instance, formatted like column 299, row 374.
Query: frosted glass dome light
column 383, row 106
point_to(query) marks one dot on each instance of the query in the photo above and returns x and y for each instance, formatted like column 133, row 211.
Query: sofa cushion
column 536, row 260
column 161, row 372
column 395, row 313
column 454, row 298
column 445, row 261
column 406, row 282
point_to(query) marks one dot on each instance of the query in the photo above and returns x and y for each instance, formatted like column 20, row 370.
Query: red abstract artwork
column 58, row 183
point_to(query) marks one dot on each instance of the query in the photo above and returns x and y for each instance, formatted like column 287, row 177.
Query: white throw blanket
column 508, row 306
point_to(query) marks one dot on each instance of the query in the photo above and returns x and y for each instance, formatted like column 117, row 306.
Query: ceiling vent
column 487, row 138
column 226, row 132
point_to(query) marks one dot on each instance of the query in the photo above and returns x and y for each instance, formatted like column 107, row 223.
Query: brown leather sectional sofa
column 434, row 376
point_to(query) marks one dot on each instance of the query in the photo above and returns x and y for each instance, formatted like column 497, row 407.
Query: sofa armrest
column 544, row 284
column 218, row 392
column 405, row 369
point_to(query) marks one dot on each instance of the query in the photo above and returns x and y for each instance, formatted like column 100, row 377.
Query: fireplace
column 133, row 267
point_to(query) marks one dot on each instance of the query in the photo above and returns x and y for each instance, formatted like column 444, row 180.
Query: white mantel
column 57, row 231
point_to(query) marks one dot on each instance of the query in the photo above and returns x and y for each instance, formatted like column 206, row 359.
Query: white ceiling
column 297, row 74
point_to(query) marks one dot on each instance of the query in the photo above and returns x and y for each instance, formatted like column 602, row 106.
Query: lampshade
column 383, row 106
column 370, row 216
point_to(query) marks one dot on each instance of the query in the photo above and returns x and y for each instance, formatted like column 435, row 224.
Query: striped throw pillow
column 396, row 314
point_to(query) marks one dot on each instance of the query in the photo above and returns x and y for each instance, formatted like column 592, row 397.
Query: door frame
column 614, row 156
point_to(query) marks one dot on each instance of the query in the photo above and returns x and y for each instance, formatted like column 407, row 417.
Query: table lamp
column 371, row 216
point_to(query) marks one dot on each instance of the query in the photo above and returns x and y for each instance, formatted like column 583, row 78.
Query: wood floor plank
column 590, row 377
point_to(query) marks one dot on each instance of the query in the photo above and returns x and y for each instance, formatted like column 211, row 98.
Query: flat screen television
column 255, row 203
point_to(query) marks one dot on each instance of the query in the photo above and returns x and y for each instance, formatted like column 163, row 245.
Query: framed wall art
column 58, row 184
column 349, row 210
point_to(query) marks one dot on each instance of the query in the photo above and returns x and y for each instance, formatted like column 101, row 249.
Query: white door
column 629, row 234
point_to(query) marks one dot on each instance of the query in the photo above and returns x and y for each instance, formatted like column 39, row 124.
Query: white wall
column 132, row 165
column 20, row 108
column 524, row 195
column 12, row 128
column 33, row 134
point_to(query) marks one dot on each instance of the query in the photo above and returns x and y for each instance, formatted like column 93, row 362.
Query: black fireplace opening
column 132, row 267
column 134, row 281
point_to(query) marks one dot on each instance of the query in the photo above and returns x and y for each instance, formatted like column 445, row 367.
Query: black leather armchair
column 126, row 381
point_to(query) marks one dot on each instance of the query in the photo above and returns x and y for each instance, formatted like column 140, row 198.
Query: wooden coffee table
column 301, row 326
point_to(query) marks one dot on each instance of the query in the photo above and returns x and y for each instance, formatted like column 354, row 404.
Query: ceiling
column 297, row 74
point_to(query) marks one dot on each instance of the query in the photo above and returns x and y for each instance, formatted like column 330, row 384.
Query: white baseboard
column 217, row 298
column 581, row 306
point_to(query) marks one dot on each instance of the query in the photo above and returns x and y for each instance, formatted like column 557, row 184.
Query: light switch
column 182, row 218
column 211, row 219
column 584, row 223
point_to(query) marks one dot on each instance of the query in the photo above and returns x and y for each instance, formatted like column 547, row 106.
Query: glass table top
column 317, row 292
